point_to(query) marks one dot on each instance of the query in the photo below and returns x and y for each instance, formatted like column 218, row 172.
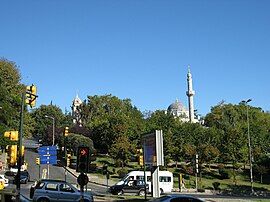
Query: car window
column 65, row 188
column 140, row 182
column 180, row 199
column 51, row 187
column 139, row 177
column 164, row 179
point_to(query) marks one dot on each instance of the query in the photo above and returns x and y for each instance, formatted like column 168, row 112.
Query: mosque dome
column 176, row 106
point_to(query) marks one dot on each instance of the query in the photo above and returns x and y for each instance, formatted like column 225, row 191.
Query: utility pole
column 249, row 146
column 197, row 171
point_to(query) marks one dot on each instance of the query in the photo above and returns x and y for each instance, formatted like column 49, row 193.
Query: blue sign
column 47, row 155
column 47, row 148
column 49, row 152
column 48, row 160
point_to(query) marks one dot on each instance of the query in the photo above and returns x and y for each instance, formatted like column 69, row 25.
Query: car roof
column 52, row 180
column 180, row 196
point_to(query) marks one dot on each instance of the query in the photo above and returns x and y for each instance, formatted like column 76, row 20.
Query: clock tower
column 75, row 110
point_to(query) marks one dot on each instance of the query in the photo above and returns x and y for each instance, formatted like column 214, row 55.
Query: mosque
column 177, row 109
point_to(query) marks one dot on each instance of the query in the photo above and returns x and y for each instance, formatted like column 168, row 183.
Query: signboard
column 48, row 160
column 153, row 148
column 48, row 155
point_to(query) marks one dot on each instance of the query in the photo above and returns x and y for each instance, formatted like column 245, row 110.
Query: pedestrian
column 183, row 184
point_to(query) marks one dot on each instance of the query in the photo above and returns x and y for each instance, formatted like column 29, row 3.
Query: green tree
column 109, row 117
column 73, row 141
column 122, row 149
column 10, row 93
column 159, row 120
column 11, row 90
column 43, row 126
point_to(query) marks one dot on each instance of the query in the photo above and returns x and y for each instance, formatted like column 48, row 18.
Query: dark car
column 131, row 187
column 24, row 178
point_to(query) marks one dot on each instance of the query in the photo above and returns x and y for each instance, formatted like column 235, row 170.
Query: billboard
column 153, row 148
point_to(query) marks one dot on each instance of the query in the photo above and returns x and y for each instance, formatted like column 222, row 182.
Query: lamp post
column 249, row 145
column 53, row 126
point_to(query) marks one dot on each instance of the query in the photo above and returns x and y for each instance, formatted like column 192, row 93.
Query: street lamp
column 53, row 126
column 249, row 145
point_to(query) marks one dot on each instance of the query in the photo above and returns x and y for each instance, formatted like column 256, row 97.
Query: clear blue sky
column 140, row 49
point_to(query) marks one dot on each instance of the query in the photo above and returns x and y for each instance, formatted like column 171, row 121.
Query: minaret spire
column 190, row 94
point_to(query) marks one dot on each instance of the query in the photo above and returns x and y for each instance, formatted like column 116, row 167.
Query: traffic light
column 12, row 154
column 12, row 135
column 68, row 159
column 141, row 160
column 38, row 161
column 31, row 95
column 82, row 159
column 66, row 131
column 22, row 151
column 140, row 155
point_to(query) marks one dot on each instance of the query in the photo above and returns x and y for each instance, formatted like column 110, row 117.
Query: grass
column 242, row 183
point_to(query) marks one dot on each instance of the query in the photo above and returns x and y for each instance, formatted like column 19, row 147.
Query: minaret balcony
column 190, row 92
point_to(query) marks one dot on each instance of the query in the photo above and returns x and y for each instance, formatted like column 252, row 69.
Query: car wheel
column 43, row 200
column 141, row 193
column 120, row 192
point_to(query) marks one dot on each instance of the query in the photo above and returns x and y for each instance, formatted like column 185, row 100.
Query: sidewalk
column 94, row 178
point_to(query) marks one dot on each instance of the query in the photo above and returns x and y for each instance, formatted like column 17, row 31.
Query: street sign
column 47, row 148
column 47, row 155
column 48, row 160
column 47, row 152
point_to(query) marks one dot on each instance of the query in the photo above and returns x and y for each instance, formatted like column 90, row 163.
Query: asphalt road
column 55, row 172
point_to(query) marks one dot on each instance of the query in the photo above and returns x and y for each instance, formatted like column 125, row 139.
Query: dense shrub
column 216, row 185
column 122, row 172
column 224, row 173
column 187, row 169
column 201, row 190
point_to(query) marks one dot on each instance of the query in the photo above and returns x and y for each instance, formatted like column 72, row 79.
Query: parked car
column 24, row 177
column 4, row 180
column 47, row 190
column 130, row 186
column 177, row 198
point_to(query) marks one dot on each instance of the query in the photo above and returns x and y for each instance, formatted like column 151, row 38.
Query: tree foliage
column 122, row 149
column 73, row 141
column 43, row 125
column 109, row 117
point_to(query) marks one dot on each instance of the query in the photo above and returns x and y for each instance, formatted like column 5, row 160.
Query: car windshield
column 24, row 173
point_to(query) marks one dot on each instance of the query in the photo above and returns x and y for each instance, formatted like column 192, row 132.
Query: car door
column 51, row 191
column 129, row 186
column 67, row 193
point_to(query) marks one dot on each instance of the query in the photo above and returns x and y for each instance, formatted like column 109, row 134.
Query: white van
column 165, row 179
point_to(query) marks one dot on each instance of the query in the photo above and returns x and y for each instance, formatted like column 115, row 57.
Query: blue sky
column 140, row 49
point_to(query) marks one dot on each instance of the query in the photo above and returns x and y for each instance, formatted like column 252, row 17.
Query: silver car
column 57, row 190
column 177, row 198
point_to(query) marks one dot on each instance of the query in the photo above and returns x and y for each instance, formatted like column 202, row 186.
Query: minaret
column 190, row 94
